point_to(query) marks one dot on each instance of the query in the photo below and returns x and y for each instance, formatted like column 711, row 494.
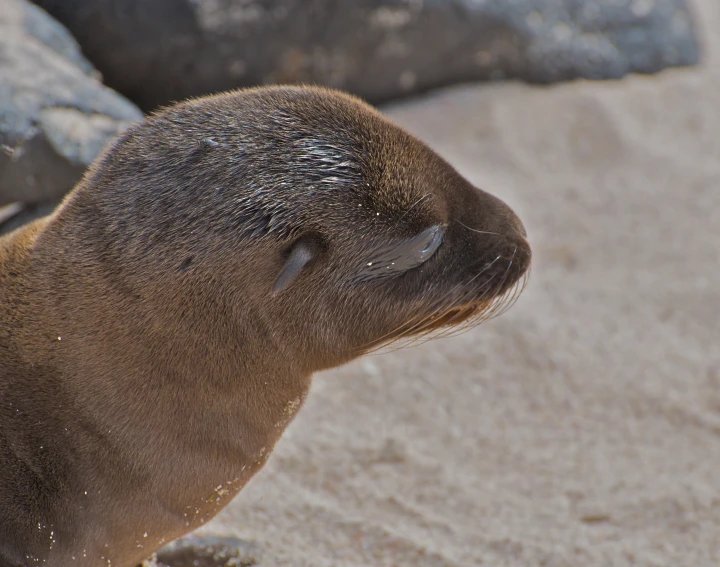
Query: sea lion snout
column 490, row 244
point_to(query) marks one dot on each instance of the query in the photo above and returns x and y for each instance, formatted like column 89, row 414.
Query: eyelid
column 434, row 237
column 399, row 257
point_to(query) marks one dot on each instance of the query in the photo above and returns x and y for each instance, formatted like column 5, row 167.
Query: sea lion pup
column 158, row 331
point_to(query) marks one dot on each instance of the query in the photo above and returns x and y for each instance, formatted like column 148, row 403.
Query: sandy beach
column 582, row 428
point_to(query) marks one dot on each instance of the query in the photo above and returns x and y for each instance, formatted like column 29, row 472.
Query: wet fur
column 149, row 358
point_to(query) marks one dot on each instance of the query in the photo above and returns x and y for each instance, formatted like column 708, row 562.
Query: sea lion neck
column 187, row 384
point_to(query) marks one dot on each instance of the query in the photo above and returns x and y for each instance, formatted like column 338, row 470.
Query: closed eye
column 399, row 257
column 434, row 235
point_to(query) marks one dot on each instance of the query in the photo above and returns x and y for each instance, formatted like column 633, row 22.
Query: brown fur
column 150, row 354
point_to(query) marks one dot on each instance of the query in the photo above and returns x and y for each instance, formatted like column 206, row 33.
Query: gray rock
column 17, row 214
column 207, row 551
column 55, row 114
column 155, row 51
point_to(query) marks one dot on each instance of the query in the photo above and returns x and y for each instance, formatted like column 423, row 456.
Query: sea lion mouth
column 453, row 319
column 453, row 316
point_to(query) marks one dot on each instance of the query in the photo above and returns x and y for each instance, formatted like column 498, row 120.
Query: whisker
column 448, row 327
column 452, row 319
column 421, row 320
column 479, row 231
column 420, row 200
column 433, row 317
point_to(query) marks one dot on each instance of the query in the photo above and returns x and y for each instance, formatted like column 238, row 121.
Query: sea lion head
column 305, row 214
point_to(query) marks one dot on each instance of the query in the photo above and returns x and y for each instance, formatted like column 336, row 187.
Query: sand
column 580, row 429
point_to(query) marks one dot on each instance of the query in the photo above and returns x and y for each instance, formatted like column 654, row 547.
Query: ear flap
column 302, row 252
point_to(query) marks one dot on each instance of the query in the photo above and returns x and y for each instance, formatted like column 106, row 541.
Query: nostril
column 519, row 226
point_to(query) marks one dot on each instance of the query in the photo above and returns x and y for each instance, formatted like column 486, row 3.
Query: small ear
column 302, row 252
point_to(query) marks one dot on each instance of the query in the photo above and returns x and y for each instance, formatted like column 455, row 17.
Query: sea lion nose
column 488, row 212
column 514, row 228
